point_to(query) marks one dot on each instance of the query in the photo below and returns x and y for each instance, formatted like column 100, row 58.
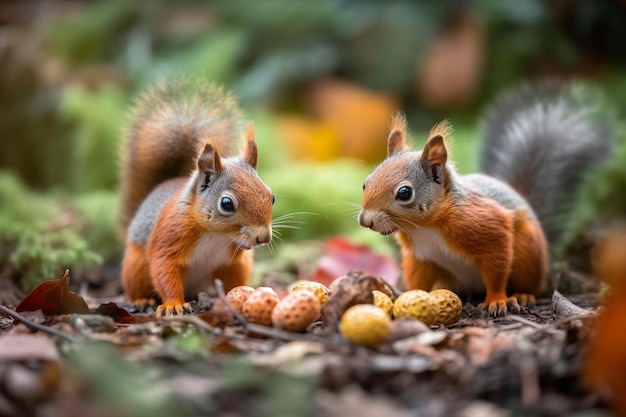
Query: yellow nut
column 417, row 304
column 296, row 311
column 259, row 305
column 449, row 305
column 319, row 290
column 365, row 325
column 383, row 301
column 238, row 295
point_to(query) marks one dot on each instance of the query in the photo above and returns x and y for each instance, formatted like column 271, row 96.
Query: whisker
column 295, row 213
column 285, row 226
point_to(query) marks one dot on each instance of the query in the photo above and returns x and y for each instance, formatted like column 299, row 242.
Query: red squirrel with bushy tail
column 189, row 213
column 489, row 232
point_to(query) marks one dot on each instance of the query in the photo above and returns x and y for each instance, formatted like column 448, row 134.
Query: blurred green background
column 319, row 79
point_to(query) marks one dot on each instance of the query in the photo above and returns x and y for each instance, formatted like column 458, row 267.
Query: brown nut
column 383, row 301
column 259, row 305
column 319, row 290
column 238, row 296
column 449, row 305
column 417, row 304
column 296, row 311
column 365, row 325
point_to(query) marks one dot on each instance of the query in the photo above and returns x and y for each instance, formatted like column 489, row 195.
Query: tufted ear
column 396, row 141
column 209, row 161
column 250, row 152
column 434, row 157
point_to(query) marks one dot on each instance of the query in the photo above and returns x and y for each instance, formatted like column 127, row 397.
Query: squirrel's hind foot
column 525, row 299
column 500, row 306
column 173, row 309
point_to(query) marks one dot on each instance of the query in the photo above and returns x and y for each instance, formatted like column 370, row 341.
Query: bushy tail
column 161, row 140
column 543, row 139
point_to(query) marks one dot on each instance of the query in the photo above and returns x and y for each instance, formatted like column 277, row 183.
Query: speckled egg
column 259, row 306
column 296, row 311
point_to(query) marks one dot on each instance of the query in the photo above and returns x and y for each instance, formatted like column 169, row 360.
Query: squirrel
column 190, row 212
column 489, row 232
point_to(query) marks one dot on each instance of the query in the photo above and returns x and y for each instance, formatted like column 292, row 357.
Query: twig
column 196, row 321
column 540, row 327
column 37, row 326
column 219, row 287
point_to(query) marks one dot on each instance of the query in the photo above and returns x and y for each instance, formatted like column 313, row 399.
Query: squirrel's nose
column 263, row 238
column 365, row 222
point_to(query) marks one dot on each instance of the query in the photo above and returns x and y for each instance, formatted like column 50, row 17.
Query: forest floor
column 105, row 361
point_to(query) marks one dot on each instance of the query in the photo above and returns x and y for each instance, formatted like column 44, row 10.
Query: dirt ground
column 105, row 361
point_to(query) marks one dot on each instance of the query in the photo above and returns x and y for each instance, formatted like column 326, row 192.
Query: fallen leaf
column 54, row 297
column 341, row 255
column 26, row 347
column 354, row 288
column 115, row 312
column 564, row 308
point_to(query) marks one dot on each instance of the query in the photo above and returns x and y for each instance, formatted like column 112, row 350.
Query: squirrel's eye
column 226, row 203
column 273, row 199
column 404, row 193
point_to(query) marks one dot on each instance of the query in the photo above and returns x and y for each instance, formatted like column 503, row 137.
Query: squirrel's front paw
column 173, row 309
column 498, row 307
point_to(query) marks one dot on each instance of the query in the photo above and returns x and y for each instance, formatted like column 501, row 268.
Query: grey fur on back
column 542, row 139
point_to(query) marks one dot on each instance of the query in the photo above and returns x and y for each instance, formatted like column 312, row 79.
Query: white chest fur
column 429, row 245
column 211, row 252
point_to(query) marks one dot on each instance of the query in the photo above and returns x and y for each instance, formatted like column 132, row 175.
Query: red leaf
column 54, row 297
column 118, row 314
column 341, row 256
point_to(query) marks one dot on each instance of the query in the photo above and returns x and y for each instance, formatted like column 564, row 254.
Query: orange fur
column 506, row 247
column 191, row 236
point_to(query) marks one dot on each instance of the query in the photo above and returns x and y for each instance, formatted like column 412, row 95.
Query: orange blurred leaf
column 54, row 297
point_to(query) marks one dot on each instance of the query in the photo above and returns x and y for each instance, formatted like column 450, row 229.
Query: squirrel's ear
column 434, row 157
column 250, row 151
column 209, row 161
column 396, row 140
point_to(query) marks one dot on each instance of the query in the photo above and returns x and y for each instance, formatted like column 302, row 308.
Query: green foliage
column 323, row 199
column 43, row 255
column 277, row 394
column 93, row 34
column 117, row 386
column 602, row 201
column 99, row 209
column 34, row 238
column 97, row 117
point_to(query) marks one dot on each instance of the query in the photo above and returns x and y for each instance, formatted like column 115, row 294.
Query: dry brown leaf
column 353, row 288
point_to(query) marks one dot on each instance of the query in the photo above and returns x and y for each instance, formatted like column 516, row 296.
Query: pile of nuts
column 293, row 313
column 363, row 324
column 369, row 325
